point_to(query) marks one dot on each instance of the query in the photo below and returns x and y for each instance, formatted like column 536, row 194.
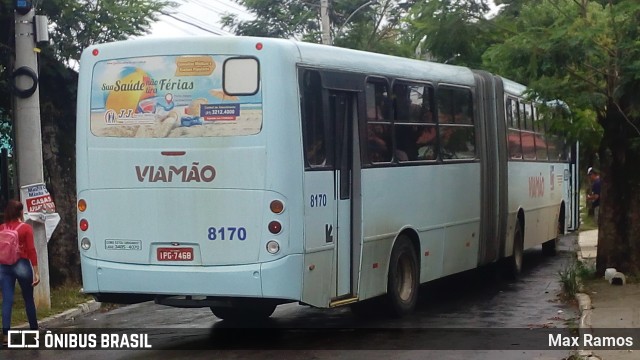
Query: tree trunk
column 619, row 223
column 58, row 99
column 63, row 250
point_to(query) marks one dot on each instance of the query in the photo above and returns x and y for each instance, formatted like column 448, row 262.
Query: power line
column 192, row 24
column 231, row 5
column 181, row 27
column 208, row 25
column 196, row 13
column 207, row 7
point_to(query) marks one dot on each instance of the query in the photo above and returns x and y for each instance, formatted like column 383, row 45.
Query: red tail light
column 84, row 225
column 275, row 227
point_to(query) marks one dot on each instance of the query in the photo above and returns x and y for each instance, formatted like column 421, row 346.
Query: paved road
column 490, row 310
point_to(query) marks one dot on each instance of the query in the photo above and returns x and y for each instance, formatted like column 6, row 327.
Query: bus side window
column 541, row 140
column 455, row 119
column 378, row 105
column 513, row 133
column 527, row 135
column 414, row 139
column 313, row 127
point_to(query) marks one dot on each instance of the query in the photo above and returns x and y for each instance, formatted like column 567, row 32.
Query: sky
column 197, row 17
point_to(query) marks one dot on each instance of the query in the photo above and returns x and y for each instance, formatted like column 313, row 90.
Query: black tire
column 403, row 278
column 244, row 313
column 28, row 72
column 513, row 264
column 550, row 248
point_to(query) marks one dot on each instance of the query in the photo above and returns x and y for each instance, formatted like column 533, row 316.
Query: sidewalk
column 606, row 306
column 68, row 315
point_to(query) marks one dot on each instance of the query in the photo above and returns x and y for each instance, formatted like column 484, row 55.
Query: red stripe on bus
column 173, row 153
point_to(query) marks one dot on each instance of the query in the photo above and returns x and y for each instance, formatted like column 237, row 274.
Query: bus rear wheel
column 244, row 313
column 550, row 247
column 403, row 278
column 513, row 264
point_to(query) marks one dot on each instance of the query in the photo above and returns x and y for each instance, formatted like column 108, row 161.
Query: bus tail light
column 276, row 207
column 85, row 244
column 84, row 225
column 82, row 205
column 275, row 227
column 273, row 247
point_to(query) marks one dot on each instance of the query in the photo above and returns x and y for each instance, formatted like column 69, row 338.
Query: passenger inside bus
column 378, row 142
column 316, row 153
column 427, row 143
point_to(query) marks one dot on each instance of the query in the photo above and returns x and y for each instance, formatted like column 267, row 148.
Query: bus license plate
column 175, row 254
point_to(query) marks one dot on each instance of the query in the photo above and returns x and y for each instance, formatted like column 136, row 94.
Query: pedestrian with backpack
column 24, row 269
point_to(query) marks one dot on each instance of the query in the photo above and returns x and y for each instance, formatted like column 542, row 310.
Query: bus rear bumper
column 130, row 283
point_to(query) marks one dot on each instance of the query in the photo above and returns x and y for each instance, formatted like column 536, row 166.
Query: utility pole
column 28, row 135
column 326, row 22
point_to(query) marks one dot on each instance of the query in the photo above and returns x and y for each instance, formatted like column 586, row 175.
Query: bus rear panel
column 172, row 172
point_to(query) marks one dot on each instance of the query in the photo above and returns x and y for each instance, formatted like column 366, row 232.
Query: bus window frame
column 387, row 119
column 432, row 122
column 514, row 126
column 324, row 118
column 472, row 114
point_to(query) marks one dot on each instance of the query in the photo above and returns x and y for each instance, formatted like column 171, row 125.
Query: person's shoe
column 5, row 340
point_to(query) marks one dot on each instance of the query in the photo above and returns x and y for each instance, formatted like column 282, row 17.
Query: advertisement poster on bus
column 174, row 96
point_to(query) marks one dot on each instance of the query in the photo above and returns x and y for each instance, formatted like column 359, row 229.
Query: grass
column 63, row 298
column 575, row 274
column 573, row 277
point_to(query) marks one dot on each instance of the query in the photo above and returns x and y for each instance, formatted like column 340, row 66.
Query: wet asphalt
column 474, row 315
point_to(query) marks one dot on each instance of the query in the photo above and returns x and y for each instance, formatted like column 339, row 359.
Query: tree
column 376, row 27
column 586, row 53
column 76, row 24
column 451, row 31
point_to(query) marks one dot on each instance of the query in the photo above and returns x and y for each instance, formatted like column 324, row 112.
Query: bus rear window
column 241, row 76
column 176, row 96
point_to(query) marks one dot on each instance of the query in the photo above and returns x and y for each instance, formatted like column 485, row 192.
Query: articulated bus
column 241, row 173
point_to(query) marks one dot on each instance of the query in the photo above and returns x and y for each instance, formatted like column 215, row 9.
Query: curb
column 68, row 315
column 584, row 305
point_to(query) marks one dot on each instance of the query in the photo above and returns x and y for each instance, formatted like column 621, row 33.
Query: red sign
column 42, row 203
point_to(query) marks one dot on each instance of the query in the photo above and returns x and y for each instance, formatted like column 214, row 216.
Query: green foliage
column 583, row 52
column 573, row 276
column 451, row 31
column 280, row 19
column 376, row 27
column 5, row 131
column 80, row 23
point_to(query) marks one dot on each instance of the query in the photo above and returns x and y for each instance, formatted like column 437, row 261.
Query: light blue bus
column 241, row 173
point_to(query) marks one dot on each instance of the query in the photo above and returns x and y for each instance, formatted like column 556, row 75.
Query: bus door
column 572, row 193
column 343, row 116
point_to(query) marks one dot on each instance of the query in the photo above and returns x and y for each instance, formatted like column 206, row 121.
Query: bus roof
column 512, row 87
column 310, row 54
column 374, row 63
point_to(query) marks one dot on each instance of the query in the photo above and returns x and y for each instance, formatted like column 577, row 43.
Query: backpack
column 9, row 245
